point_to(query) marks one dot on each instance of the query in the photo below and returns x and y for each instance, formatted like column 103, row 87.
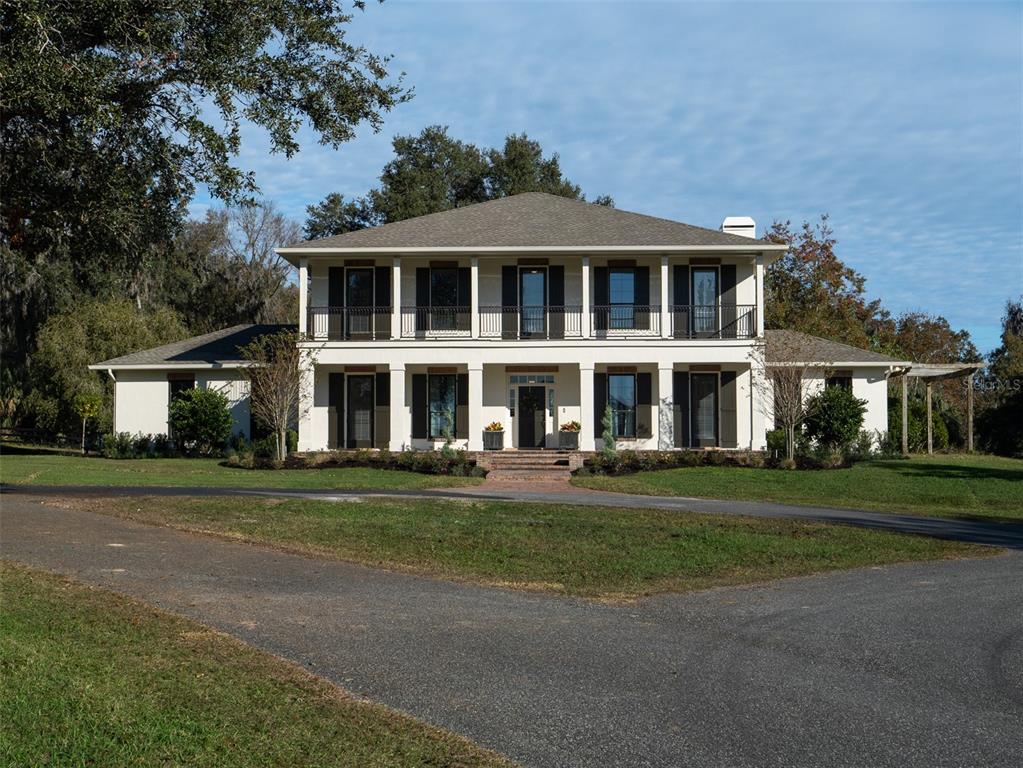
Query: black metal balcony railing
column 687, row 321
column 349, row 323
column 531, row 322
column 713, row 321
column 421, row 322
column 626, row 320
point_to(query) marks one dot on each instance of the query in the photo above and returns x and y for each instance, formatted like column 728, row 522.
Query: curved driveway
column 910, row 665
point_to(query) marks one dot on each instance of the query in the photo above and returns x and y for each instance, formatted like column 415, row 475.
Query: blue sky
column 903, row 121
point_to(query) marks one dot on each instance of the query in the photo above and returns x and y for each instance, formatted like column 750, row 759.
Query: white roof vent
column 739, row 225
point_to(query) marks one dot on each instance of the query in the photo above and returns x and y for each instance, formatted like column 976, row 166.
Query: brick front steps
column 530, row 466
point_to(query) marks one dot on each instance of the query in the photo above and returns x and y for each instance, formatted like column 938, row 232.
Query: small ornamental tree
column 609, row 434
column 87, row 406
column 200, row 419
column 834, row 417
column 275, row 382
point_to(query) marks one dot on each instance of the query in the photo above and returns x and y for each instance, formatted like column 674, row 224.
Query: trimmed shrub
column 834, row 418
column 200, row 420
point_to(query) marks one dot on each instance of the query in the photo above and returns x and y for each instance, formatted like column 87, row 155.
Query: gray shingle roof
column 216, row 348
column 531, row 219
column 796, row 347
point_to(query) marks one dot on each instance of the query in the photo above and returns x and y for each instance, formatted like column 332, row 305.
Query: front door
column 359, row 412
column 532, row 417
column 359, row 301
column 533, row 302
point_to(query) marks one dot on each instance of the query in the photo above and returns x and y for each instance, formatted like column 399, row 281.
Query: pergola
column 930, row 373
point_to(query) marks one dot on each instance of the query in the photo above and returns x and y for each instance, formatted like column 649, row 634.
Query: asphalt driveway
column 912, row 665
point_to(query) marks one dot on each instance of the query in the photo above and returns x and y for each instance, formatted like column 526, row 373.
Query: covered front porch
column 426, row 407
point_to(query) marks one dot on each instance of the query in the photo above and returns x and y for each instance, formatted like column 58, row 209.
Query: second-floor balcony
column 532, row 323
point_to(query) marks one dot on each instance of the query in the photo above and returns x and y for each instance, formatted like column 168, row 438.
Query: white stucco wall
column 868, row 384
column 141, row 399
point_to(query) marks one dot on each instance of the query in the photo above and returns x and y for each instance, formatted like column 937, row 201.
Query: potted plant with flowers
column 493, row 436
column 568, row 436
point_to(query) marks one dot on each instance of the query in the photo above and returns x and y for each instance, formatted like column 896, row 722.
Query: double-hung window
column 444, row 298
column 622, row 296
column 705, row 301
column 621, row 396
column 442, row 394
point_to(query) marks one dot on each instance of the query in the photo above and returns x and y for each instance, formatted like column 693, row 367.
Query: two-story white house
column 532, row 311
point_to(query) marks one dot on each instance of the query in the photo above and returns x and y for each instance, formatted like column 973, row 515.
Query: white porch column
column 306, row 400
column 665, row 408
column 395, row 304
column 303, row 296
column 760, row 413
column 588, row 433
column 760, row 297
column 401, row 427
column 584, row 321
column 476, row 408
column 474, row 319
column 665, row 329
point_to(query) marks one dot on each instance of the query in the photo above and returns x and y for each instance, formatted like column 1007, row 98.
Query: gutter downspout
column 113, row 416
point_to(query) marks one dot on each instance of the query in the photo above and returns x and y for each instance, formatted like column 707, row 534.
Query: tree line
column 110, row 120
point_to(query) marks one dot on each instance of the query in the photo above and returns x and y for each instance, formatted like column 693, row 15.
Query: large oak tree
column 112, row 111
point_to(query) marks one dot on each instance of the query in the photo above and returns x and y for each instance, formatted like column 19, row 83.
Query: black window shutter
column 556, row 301
column 336, row 286
column 422, row 298
column 510, row 301
column 464, row 298
column 382, row 300
column 680, row 297
column 335, row 396
column 644, row 406
column 420, row 407
column 601, row 298
column 680, row 397
column 599, row 402
column 462, row 406
column 382, row 287
column 642, row 298
column 382, row 415
column 727, row 301
column 729, row 427
column 644, row 389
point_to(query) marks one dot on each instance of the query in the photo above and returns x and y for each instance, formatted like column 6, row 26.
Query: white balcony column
column 396, row 302
column 665, row 329
column 588, row 433
column 476, row 408
column 303, row 296
column 665, row 408
column 306, row 400
column 401, row 423
column 760, row 296
column 584, row 321
column 474, row 315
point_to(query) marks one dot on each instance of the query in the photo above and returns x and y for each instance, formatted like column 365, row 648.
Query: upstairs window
column 622, row 296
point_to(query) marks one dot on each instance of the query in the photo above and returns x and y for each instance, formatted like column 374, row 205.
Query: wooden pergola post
column 905, row 417
column 969, row 413
column 930, row 435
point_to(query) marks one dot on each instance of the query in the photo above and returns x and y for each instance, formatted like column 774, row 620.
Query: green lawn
column 593, row 552
column 953, row 486
column 51, row 469
column 93, row 678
